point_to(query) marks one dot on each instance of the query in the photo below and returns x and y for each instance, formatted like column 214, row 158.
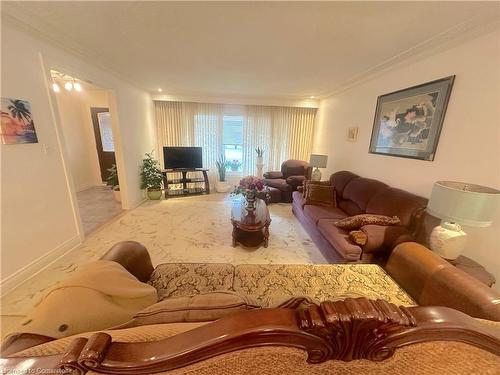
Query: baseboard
column 27, row 272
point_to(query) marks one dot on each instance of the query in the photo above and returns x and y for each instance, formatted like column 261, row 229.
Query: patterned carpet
column 190, row 229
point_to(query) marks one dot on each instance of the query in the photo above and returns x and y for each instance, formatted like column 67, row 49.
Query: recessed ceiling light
column 160, row 90
column 311, row 97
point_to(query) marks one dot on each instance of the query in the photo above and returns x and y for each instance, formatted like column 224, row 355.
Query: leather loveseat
column 358, row 195
column 292, row 174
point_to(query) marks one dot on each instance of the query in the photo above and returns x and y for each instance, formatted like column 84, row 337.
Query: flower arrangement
column 235, row 165
column 249, row 185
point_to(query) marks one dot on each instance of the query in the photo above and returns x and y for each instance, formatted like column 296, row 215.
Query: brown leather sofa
column 358, row 195
column 292, row 174
column 432, row 281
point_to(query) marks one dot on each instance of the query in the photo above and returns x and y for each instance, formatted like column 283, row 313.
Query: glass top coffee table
column 250, row 228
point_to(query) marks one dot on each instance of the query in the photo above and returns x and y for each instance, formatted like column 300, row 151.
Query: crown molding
column 89, row 58
column 456, row 35
column 238, row 100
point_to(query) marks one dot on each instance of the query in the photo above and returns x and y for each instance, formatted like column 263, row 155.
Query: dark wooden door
column 103, row 132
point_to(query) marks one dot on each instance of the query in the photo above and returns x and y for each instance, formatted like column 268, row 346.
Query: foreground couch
column 358, row 195
column 321, row 338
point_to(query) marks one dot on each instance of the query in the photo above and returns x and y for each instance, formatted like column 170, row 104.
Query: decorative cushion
column 306, row 183
column 357, row 221
column 271, row 285
column 199, row 308
column 358, row 237
column 188, row 279
column 320, row 195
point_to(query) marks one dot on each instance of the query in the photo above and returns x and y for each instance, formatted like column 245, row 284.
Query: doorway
column 90, row 151
column 105, row 146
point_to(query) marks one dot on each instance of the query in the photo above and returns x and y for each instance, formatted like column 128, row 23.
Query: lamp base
column 448, row 240
column 316, row 175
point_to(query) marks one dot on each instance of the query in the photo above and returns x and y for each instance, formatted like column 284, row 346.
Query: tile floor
column 97, row 206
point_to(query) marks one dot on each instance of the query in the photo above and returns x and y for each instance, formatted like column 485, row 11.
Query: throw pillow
column 357, row 221
column 306, row 183
column 198, row 308
column 321, row 195
column 358, row 237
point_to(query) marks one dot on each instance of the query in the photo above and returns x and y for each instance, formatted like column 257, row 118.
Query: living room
column 291, row 79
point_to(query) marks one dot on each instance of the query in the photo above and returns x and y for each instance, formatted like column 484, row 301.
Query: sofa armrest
column 273, row 175
column 295, row 181
column 384, row 238
column 432, row 281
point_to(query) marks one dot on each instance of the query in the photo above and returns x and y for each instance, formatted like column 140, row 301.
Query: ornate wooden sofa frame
column 343, row 330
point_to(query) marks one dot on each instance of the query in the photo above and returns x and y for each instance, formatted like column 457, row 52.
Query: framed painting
column 352, row 134
column 408, row 122
column 17, row 122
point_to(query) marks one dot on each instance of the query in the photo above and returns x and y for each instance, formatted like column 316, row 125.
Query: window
column 233, row 142
column 104, row 119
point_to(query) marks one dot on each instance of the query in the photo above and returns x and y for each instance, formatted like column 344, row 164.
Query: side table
column 474, row 269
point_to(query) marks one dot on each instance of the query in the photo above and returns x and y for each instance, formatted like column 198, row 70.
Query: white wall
column 77, row 128
column 37, row 214
column 468, row 148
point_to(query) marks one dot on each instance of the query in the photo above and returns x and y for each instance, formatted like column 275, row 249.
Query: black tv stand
column 186, row 185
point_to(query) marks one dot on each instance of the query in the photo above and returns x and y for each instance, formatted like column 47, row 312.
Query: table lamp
column 317, row 161
column 459, row 203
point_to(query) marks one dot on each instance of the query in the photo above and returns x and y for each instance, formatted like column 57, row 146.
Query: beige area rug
column 190, row 229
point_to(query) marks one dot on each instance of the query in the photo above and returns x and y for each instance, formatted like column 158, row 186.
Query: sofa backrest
column 295, row 168
column 358, row 195
column 396, row 202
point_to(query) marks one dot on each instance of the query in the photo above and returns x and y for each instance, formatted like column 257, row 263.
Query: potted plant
column 112, row 181
column 235, row 165
column 151, row 176
column 221, row 185
column 260, row 161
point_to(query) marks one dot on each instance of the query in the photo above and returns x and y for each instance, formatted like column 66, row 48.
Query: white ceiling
column 258, row 49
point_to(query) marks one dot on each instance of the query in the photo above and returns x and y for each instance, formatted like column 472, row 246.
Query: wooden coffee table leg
column 266, row 235
column 234, row 236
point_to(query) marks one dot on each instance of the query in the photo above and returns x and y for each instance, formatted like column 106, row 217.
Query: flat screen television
column 182, row 157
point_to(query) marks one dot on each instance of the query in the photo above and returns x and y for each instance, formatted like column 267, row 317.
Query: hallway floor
column 97, row 206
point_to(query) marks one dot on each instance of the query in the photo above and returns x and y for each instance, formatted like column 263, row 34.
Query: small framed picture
column 17, row 122
column 352, row 133
column 408, row 122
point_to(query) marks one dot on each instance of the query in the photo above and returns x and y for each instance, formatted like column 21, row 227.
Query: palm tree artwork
column 17, row 124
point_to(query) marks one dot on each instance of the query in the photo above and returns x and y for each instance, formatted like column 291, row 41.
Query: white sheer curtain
column 257, row 132
column 283, row 132
column 190, row 124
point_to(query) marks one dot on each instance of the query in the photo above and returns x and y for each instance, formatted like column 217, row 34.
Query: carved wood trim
column 342, row 330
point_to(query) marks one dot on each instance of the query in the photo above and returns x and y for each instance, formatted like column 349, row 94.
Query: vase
column 250, row 198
